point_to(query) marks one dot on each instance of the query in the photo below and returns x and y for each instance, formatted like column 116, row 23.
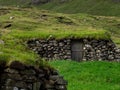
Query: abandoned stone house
column 18, row 76
column 75, row 49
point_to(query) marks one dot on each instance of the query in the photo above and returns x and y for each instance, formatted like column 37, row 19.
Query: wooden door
column 77, row 50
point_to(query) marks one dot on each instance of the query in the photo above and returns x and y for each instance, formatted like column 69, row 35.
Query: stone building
column 18, row 76
column 75, row 49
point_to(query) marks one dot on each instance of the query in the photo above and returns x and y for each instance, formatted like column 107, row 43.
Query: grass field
column 90, row 75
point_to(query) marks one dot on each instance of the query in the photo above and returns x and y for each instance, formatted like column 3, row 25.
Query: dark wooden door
column 77, row 50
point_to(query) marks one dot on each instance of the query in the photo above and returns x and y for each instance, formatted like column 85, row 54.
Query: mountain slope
column 102, row 14
column 96, row 7
column 14, row 2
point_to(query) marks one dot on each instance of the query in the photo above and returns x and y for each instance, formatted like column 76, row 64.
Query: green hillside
column 94, row 7
column 14, row 2
column 100, row 10
column 102, row 13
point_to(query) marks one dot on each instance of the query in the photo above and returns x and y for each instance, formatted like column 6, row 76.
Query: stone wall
column 100, row 50
column 23, row 77
column 51, row 49
column 61, row 49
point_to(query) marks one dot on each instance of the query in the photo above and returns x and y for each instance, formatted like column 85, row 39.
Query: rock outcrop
column 39, row 1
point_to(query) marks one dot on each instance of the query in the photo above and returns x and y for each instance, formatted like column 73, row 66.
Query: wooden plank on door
column 77, row 50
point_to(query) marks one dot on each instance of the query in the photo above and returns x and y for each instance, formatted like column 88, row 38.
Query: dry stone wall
column 23, row 77
column 61, row 49
column 100, row 50
column 51, row 49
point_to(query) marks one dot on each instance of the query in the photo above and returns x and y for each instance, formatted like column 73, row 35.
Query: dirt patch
column 64, row 20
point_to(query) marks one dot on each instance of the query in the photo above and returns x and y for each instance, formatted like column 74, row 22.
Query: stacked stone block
column 23, row 77
column 51, row 49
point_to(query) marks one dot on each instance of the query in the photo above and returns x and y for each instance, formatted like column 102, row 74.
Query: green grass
column 90, row 75
column 14, row 2
column 100, row 14
column 94, row 7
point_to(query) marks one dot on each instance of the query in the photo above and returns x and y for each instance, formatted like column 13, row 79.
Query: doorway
column 77, row 50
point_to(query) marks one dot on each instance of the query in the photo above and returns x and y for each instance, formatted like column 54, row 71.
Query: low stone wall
column 23, row 77
column 100, row 50
column 61, row 49
column 51, row 49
